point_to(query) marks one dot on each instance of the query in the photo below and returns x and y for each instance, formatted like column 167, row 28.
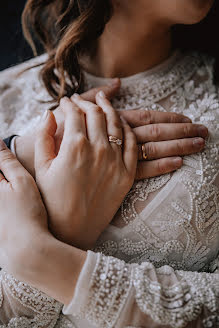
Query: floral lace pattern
column 181, row 297
column 171, row 220
column 43, row 310
column 182, row 233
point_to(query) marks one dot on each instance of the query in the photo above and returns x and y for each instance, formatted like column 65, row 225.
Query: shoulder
column 21, row 95
column 12, row 74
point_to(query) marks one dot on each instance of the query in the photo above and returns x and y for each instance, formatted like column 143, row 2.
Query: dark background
column 13, row 48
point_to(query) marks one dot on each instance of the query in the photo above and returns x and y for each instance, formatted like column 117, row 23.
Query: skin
column 80, row 161
column 97, row 164
column 163, row 156
column 149, row 44
column 43, row 249
column 148, row 23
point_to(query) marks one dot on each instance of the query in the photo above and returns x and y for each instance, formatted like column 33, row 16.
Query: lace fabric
column 168, row 297
column 166, row 221
column 24, row 306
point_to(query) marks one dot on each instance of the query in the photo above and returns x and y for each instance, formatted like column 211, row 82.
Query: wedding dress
column 156, row 263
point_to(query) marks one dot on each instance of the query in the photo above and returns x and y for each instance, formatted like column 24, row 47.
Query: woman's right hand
column 167, row 137
column 84, row 184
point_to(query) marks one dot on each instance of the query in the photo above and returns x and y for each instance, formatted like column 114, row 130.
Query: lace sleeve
column 132, row 295
column 23, row 306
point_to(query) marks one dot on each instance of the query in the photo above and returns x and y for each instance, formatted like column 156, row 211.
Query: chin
column 197, row 10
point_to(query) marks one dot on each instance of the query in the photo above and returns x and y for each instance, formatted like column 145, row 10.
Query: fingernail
column 76, row 95
column 186, row 120
column 203, row 131
column 2, row 145
column 177, row 161
column 101, row 94
column 198, row 142
column 44, row 115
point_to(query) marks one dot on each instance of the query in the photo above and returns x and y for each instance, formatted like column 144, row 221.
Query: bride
column 166, row 229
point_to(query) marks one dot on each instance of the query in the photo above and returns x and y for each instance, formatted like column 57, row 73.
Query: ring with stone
column 115, row 140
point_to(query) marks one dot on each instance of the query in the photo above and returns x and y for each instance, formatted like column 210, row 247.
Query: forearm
column 54, row 268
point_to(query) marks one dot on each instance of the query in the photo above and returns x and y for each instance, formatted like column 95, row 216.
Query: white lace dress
column 155, row 264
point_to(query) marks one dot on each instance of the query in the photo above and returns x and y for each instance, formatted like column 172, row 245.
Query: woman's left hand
column 23, row 216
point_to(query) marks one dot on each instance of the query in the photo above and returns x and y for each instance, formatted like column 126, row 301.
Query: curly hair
column 67, row 29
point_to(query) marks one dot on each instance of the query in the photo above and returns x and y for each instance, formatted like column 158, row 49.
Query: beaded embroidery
column 183, row 233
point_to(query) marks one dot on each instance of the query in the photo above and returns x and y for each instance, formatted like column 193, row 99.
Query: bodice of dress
column 171, row 219
column 168, row 220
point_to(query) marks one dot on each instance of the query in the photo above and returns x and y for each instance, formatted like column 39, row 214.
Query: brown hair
column 66, row 29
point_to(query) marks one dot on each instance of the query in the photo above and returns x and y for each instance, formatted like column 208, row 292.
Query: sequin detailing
column 166, row 227
column 172, row 298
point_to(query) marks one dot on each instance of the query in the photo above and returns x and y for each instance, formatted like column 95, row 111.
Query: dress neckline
column 149, row 87
column 156, row 69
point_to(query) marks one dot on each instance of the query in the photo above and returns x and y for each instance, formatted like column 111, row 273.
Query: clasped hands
column 81, row 184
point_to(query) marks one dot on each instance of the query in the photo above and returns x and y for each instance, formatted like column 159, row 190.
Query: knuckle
column 102, row 151
column 79, row 110
column 161, row 169
column 81, row 141
column 7, row 159
column 76, row 142
column 174, row 118
column 180, row 147
column 145, row 116
column 96, row 109
column 155, row 131
column 6, row 156
column 23, row 180
column 187, row 129
column 150, row 149
column 112, row 168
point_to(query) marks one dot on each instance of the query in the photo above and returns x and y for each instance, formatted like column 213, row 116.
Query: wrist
column 24, row 262
column 54, row 268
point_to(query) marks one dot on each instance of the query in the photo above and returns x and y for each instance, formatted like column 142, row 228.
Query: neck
column 129, row 45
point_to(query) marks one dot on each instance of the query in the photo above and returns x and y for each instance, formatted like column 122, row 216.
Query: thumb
column 110, row 91
column 10, row 167
column 45, row 142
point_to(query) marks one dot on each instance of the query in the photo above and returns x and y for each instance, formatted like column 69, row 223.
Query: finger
column 45, row 143
column 10, row 167
column 141, row 117
column 130, row 149
column 114, row 125
column 95, row 120
column 74, row 128
column 75, row 122
column 180, row 147
column 157, row 167
column 109, row 90
column 164, row 132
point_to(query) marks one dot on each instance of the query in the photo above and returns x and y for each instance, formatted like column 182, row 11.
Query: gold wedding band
column 115, row 140
column 144, row 154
